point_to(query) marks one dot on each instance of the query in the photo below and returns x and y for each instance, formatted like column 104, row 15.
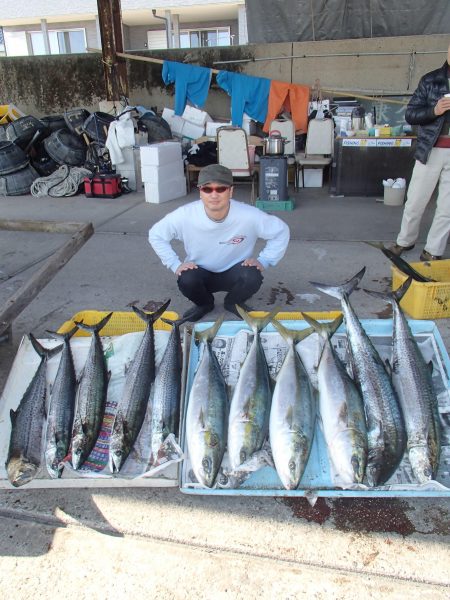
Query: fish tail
column 391, row 297
column 209, row 334
column 257, row 324
column 177, row 322
column 292, row 334
column 44, row 352
column 65, row 337
column 97, row 327
column 325, row 330
column 340, row 290
column 151, row 317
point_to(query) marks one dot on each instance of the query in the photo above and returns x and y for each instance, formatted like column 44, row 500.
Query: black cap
column 215, row 174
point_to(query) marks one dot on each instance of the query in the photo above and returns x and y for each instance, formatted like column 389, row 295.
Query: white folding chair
column 232, row 152
column 318, row 149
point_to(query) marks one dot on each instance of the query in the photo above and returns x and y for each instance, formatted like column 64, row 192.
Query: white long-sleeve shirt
column 217, row 246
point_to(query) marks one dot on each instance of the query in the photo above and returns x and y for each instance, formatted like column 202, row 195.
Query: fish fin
column 64, row 336
column 207, row 335
column 246, row 409
column 389, row 368
column 343, row 289
column 201, row 418
column 343, row 413
column 325, row 330
column 257, row 323
column 177, row 322
column 404, row 266
column 12, row 416
column 292, row 334
column 290, row 417
column 430, row 367
column 108, row 374
column 151, row 317
column 97, row 327
column 44, row 352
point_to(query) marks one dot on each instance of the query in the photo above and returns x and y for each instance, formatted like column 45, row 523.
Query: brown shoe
column 426, row 256
column 396, row 249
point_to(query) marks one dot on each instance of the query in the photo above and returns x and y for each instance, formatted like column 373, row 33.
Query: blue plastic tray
column 316, row 480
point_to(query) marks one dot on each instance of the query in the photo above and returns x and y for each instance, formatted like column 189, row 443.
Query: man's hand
column 252, row 262
column 185, row 267
column 442, row 105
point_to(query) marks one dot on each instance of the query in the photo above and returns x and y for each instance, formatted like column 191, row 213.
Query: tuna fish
column 207, row 412
column 132, row 406
column 61, row 409
column 412, row 380
column 386, row 432
column 292, row 413
column 27, row 423
column 91, row 397
column 250, row 405
column 167, row 392
column 341, row 409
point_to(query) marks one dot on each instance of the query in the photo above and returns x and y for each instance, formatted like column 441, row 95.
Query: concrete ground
column 144, row 542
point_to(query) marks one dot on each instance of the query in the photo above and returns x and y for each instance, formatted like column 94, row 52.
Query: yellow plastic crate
column 9, row 113
column 426, row 300
column 296, row 315
column 119, row 324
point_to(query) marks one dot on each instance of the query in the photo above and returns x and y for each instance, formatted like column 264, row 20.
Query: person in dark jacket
column 429, row 108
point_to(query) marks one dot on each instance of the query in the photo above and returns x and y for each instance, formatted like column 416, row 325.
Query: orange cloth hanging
column 291, row 97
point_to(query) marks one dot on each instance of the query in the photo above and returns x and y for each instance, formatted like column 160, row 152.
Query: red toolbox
column 107, row 185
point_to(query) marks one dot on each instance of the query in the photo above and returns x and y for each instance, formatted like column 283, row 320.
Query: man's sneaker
column 426, row 256
column 197, row 312
column 397, row 250
column 232, row 308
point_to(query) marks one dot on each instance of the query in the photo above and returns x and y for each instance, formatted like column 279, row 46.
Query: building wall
column 88, row 26
column 43, row 85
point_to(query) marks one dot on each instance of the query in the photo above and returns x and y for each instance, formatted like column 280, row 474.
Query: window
column 202, row 38
column 61, row 42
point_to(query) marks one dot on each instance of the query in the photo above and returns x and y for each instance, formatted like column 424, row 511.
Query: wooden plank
column 41, row 226
column 29, row 290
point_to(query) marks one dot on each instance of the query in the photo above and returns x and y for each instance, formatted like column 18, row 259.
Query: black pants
column 240, row 282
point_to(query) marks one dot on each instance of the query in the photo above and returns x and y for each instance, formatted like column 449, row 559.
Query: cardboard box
column 160, row 153
column 156, row 193
column 161, row 173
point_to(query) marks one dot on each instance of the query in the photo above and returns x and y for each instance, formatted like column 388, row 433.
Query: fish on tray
column 27, row 423
column 411, row 376
column 385, row 424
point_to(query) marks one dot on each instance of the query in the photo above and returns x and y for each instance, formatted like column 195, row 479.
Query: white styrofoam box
column 196, row 116
column 168, row 114
column 213, row 126
column 177, row 125
column 160, row 153
column 155, row 174
column 313, row 178
column 192, row 131
column 155, row 193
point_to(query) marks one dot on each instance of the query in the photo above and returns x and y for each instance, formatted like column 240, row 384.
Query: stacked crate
column 162, row 172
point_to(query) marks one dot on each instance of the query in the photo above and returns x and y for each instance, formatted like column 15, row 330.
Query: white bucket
column 394, row 196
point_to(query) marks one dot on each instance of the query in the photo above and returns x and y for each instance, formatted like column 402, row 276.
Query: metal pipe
column 167, row 28
column 355, row 54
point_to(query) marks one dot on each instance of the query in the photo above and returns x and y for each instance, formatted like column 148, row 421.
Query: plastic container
column 66, row 148
column 119, row 324
column 12, row 158
column 268, row 205
column 18, row 183
column 394, row 196
column 426, row 300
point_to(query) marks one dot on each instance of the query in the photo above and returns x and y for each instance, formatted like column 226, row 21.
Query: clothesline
column 126, row 55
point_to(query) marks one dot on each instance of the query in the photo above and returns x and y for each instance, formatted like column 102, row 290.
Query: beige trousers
column 423, row 181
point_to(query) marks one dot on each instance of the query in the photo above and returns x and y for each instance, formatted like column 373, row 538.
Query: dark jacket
column 420, row 110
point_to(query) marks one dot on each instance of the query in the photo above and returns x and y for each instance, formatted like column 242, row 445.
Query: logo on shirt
column 236, row 239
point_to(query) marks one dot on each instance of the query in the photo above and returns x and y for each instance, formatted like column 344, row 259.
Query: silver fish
column 292, row 413
column 134, row 401
column 91, row 397
column 341, row 409
column 412, row 380
column 167, row 392
column 386, row 432
column 248, row 424
column 61, row 409
column 27, row 423
column 207, row 412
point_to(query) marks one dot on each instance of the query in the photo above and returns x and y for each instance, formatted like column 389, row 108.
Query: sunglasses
column 220, row 189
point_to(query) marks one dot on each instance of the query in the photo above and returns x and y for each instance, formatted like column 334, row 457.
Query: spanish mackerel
column 61, row 409
column 292, row 413
column 167, row 392
column 341, row 409
column 132, row 406
column 207, row 411
column 412, row 380
column 250, row 405
column 386, row 432
column 91, row 396
column 27, row 423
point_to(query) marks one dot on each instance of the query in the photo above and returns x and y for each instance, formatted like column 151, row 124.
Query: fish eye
column 206, row 464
